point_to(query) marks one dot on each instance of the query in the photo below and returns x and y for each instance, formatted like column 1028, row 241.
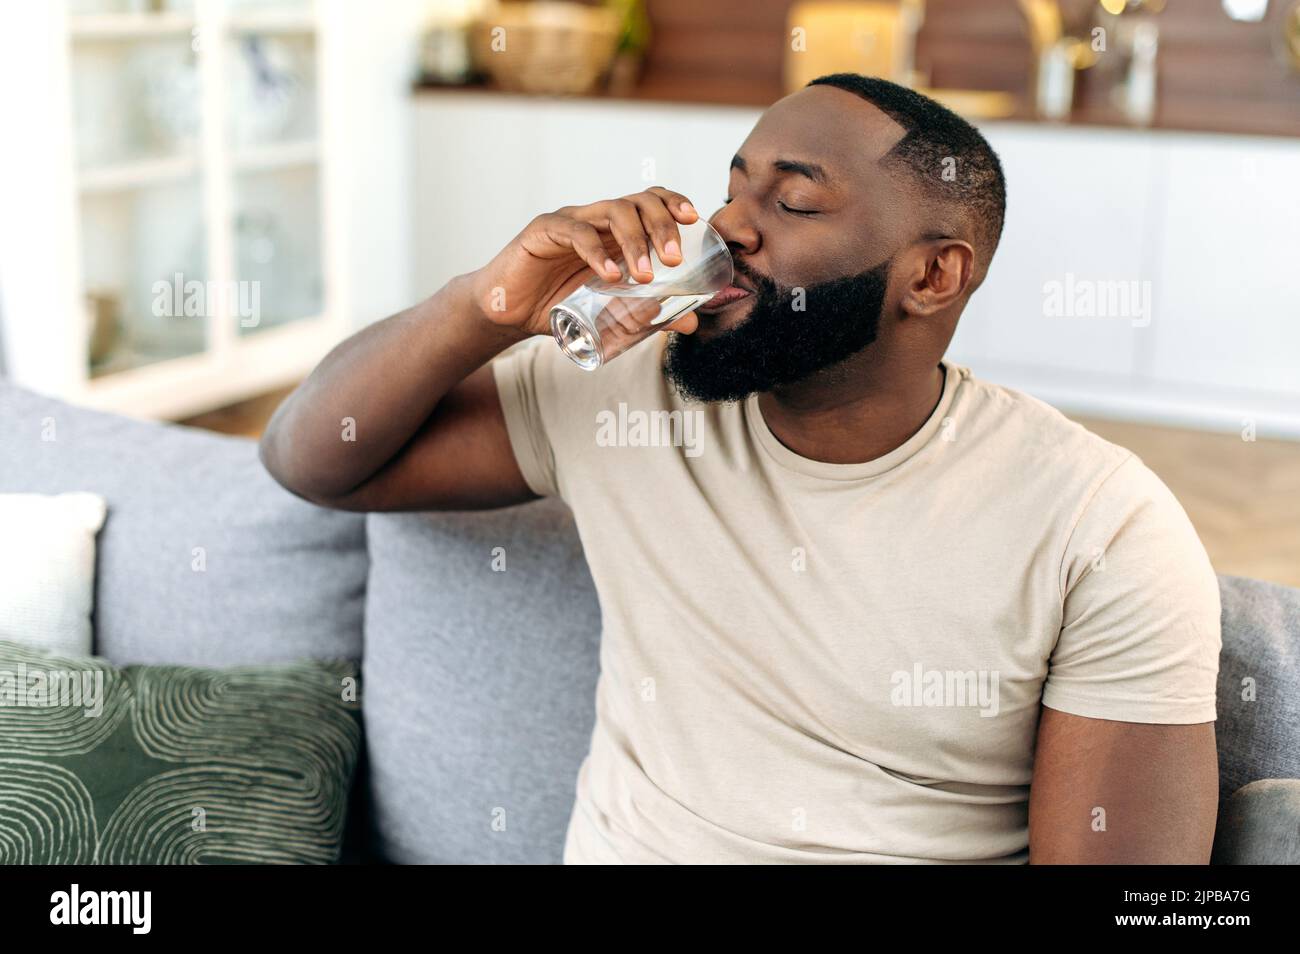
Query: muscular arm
column 404, row 415
column 429, row 431
column 1157, row 784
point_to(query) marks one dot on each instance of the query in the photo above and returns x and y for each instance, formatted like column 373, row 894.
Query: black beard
column 775, row 344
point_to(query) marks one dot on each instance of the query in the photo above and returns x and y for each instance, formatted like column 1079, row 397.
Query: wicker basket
column 549, row 47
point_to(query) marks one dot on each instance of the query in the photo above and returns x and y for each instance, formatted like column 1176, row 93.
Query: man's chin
column 699, row 382
column 713, row 323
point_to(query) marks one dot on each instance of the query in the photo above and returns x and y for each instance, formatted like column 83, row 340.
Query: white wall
column 37, row 207
column 488, row 163
column 377, row 52
column 372, row 91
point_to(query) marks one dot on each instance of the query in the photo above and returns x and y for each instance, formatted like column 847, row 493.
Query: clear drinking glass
column 602, row 319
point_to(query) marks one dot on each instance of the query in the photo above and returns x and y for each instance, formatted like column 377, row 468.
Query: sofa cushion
column 1260, row 825
column 480, row 682
column 1258, row 729
column 204, row 559
column 47, row 565
column 173, row 764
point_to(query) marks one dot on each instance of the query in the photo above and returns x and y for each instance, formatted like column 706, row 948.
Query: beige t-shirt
column 813, row 662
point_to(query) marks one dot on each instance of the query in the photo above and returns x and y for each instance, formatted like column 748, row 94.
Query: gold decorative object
column 1291, row 35
column 871, row 37
column 1058, row 54
column 105, row 331
column 1048, row 30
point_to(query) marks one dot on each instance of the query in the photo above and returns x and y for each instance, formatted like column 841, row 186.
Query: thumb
column 686, row 324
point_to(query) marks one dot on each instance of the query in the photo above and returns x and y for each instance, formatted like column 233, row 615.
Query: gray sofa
column 477, row 685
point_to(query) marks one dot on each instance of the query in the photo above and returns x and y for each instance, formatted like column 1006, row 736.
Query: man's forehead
column 831, row 127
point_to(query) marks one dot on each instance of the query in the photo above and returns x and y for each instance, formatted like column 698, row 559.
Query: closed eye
column 784, row 208
column 787, row 208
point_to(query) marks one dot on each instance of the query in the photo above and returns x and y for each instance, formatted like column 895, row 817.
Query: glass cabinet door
column 186, row 220
column 276, row 201
column 136, row 109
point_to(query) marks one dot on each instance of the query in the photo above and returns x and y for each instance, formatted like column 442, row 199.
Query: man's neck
column 850, row 415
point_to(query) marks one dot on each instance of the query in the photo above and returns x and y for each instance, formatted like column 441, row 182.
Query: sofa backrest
column 482, row 630
column 203, row 560
column 481, row 656
column 1258, row 729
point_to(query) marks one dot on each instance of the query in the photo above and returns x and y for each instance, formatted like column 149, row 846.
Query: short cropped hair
column 936, row 140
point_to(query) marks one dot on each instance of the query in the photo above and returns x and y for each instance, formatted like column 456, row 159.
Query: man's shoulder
column 1030, row 431
column 1099, row 491
column 1045, row 458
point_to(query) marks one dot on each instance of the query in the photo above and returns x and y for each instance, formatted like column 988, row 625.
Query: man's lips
column 729, row 295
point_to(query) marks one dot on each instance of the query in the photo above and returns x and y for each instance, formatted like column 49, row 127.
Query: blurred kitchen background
column 327, row 163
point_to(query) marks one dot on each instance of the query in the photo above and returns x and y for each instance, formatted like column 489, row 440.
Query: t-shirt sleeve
column 1140, row 634
column 524, row 383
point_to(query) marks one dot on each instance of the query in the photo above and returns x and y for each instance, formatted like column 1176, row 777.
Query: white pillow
column 47, row 569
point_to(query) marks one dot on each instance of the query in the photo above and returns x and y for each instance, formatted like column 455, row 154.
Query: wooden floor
column 1242, row 497
column 246, row 419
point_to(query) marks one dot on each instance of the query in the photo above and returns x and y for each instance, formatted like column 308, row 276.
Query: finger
column 681, row 207
column 660, row 225
column 687, row 324
column 625, row 223
column 629, row 315
column 585, row 241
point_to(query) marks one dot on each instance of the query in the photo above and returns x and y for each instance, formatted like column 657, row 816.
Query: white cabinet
column 1228, row 269
column 1202, row 227
column 172, row 231
column 1186, row 245
column 1078, row 212
column 480, row 181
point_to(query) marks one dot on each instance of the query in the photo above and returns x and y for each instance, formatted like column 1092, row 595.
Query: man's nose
column 736, row 229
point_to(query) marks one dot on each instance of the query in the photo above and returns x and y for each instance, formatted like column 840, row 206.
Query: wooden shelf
column 135, row 174
column 128, row 26
column 1215, row 75
column 193, row 383
column 670, row 92
column 273, row 21
column 136, row 26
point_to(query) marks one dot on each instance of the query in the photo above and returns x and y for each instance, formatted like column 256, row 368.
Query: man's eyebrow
column 809, row 170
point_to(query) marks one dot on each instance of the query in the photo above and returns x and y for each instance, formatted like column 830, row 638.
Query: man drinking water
column 886, row 611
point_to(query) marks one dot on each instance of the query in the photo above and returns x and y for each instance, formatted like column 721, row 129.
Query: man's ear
column 939, row 273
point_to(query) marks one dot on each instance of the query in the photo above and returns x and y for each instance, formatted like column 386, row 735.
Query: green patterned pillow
column 173, row 765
